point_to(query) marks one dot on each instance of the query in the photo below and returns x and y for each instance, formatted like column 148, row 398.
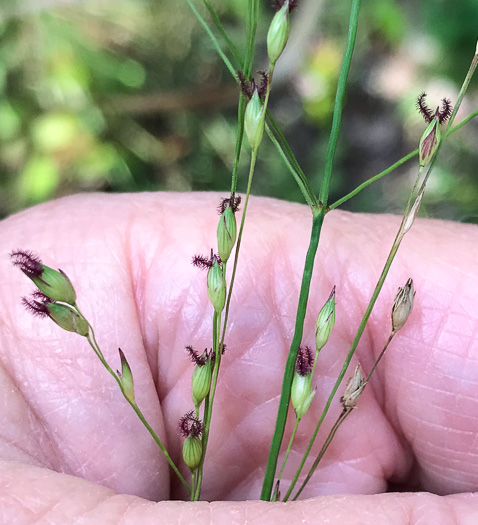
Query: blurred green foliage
column 131, row 96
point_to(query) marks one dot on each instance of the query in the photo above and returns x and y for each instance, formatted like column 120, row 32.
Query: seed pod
column 226, row 233
column 353, row 390
column 67, row 318
column 429, row 142
column 278, row 33
column 402, row 305
column 325, row 322
column 192, row 452
column 431, row 137
column 254, row 121
column 201, row 382
column 302, row 394
column 126, row 378
column 216, row 286
column 54, row 284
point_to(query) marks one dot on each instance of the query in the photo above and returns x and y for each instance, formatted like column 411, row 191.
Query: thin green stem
column 252, row 27
column 208, row 412
column 463, row 90
column 270, row 76
column 316, row 357
column 362, row 186
column 94, row 345
column 158, row 442
column 216, row 327
column 396, row 165
column 325, row 446
column 210, row 398
column 317, row 221
column 252, row 18
column 247, row 67
column 337, row 424
column 409, row 202
column 396, row 244
column 212, row 37
column 289, row 446
column 280, row 143
column 199, row 471
column 349, row 356
column 461, row 124
column 302, row 182
column 379, row 358
column 339, row 101
column 193, row 484
column 238, row 245
column 298, row 175
column 91, row 338
column 241, row 110
column 288, row 152
column 232, row 48
column 220, row 346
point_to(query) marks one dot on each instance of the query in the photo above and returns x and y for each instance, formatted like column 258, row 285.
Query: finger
column 35, row 495
column 63, row 410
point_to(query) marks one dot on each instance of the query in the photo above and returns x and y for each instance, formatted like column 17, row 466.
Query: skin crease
column 72, row 450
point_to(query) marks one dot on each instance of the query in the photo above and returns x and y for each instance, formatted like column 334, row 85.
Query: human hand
column 72, row 448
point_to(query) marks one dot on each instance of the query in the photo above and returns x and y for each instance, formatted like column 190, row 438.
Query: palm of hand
column 129, row 259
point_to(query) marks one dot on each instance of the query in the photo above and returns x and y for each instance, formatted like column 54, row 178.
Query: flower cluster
column 55, row 296
column 432, row 136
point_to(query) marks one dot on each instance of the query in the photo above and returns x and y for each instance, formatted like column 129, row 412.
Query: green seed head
column 52, row 283
column 201, row 382
column 254, row 121
column 325, row 322
column 55, row 285
column 67, row 318
column 431, row 138
column 191, row 429
column 126, row 378
column 226, row 233
column 216, row 286
column 302, row 394
column 278, row 33
column 192, row 452
column 429, row 142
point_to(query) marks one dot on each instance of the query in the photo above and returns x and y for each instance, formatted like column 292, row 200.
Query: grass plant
column 56, row 297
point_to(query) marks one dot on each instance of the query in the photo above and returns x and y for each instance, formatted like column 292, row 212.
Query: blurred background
column 130, row 96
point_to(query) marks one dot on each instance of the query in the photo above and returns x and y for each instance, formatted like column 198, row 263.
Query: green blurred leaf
column 97, row 163
column 131, row 73
column 39, row 179
column 54, row 131
column 10, row 122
